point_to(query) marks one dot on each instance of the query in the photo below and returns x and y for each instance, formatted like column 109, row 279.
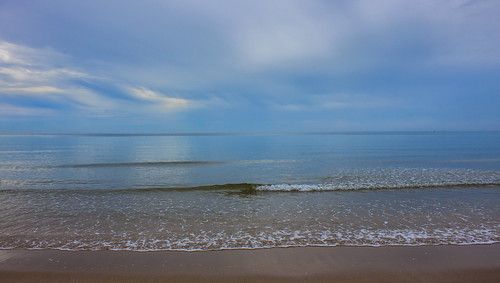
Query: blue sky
column 248, row 66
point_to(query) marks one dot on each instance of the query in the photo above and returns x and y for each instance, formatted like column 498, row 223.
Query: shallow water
column 199, row 192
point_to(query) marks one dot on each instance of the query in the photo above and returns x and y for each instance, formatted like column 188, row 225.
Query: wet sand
column 474, row 263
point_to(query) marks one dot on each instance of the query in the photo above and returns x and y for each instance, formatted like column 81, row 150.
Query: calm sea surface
column 204, row 192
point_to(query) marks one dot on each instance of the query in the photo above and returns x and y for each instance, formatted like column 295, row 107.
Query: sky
column 120, row 66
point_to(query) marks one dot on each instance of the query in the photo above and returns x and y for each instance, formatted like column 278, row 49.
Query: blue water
column 212, row 191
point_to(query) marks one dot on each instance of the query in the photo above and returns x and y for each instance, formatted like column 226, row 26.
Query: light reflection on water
column 115, row 192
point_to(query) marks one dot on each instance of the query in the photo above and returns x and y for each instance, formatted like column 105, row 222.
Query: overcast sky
column 249, row 66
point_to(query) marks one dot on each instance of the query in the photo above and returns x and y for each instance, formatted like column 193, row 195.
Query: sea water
column 246, row 191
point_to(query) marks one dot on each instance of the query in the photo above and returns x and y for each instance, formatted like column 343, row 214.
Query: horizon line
column 375, row 132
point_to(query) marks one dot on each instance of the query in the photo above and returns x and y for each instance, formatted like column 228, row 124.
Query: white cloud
column 30, row 73
column 37, row 74
column 293, row 35
column 178, row 56
column 21, row 55
column 72, row 97
column 160, row 100
column 24, row 76
column 272, row 33
column 33, row 89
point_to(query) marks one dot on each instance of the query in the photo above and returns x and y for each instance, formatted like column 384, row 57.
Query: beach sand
column 473, row 263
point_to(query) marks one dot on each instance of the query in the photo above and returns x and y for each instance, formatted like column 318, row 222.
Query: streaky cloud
column 160, row 100
column 253, row 65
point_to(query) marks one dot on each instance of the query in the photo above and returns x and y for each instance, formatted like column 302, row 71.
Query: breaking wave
column 341, row 180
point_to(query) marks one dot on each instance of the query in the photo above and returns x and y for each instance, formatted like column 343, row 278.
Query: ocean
column 196, row 192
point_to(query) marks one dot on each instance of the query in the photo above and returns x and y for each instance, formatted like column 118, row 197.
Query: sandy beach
column 475, row 263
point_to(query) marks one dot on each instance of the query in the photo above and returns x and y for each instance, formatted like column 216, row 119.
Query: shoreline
column 439, row 263
column 492, row 243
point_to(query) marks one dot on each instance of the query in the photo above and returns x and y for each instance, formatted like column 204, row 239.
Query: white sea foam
column 279, row 238
column 392, row 178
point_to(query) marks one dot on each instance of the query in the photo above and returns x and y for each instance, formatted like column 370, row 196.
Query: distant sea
column 247, row 191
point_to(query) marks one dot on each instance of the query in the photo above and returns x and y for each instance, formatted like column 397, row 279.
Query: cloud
column 15, row 54
column 217, row 60
column 34, row 76
column 344, row 102
column 160, row 100
column 29, row 73
column 272, row 33
column 33, row 89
